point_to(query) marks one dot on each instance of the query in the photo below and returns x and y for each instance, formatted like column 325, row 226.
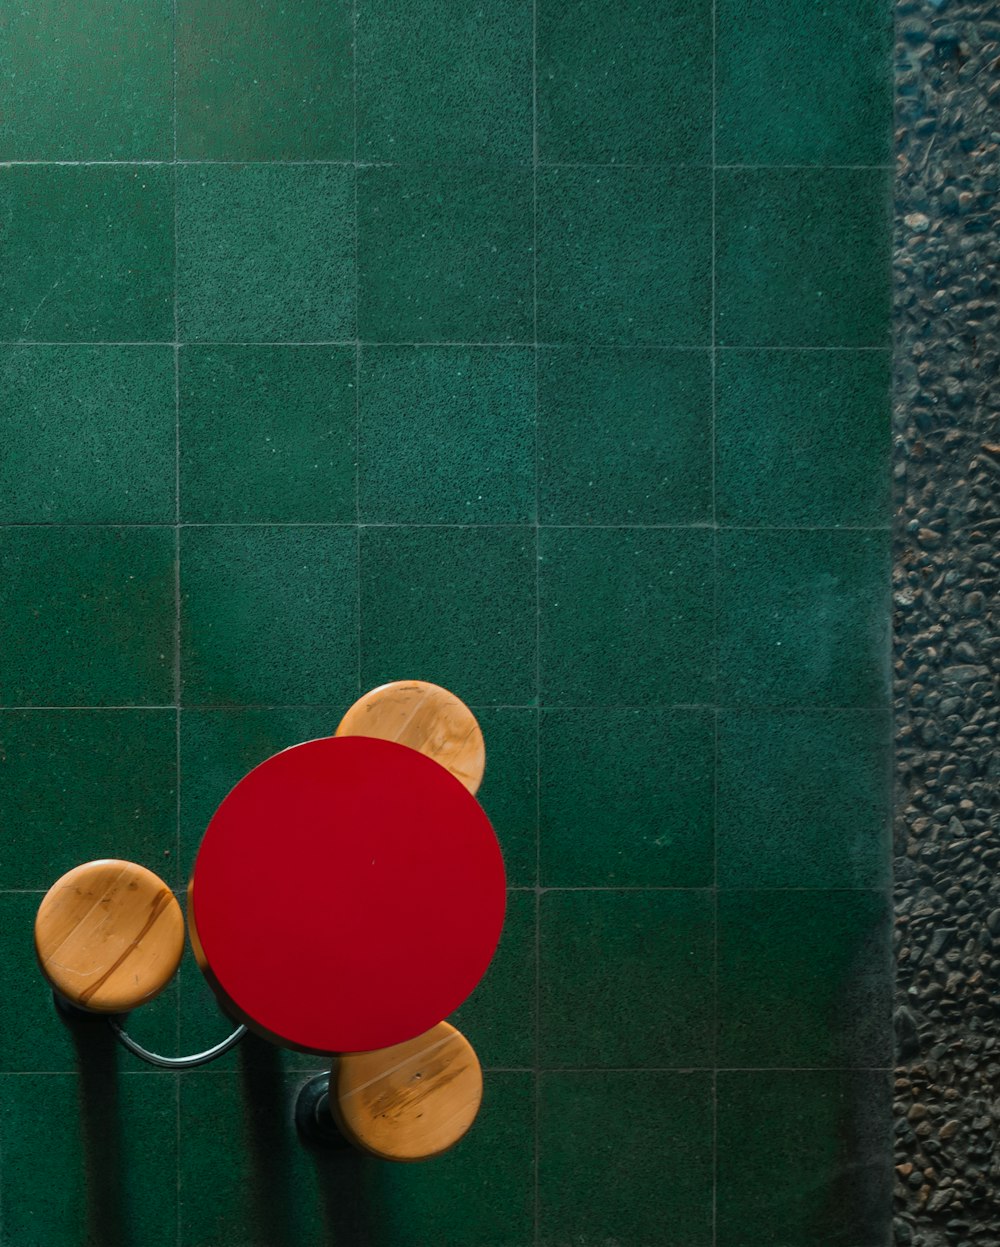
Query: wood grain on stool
column 109, row 935
column 409, row 1102
column 427, row 718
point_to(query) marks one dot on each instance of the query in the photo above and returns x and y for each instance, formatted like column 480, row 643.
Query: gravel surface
column 947, row 651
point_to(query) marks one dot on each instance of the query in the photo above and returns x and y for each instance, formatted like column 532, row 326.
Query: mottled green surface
column 444, row 82
column 88, row 253
column 89, row 435
column 433, row 345
column 87, row 81
column 282, row 90
column 267, row 435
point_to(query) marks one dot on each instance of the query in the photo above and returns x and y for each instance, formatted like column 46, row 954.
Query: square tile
column 622, row 1156
column 87, row 82
column 626, row 616
column 265, row 1188
column 818, row 1172
column 88, row 254
column 89, row 616
column 831, row 102
column 455, row 606
column 802, row 257
column 627, row 798
column 803, row 618
column 268, row 615
column 445, row 254
column 89, row 1157
column 509, row 791
column 447, row 435
column 804, row 799
column 498, row 1019
column 628, row 84
column 267, row 81
column 265, row 253
column 444, row 82
column 624, row 256
column 624, row 437
column 89, row 434
column 802, row 438
column 35, row 1038
column 804, row 978
column 76, row 785
column 219, row 747
column 626, row 979
column 267, row 434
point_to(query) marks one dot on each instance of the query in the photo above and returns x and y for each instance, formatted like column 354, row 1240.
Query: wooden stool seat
column 409, row 1102
column 424, row 717
column 109, row 936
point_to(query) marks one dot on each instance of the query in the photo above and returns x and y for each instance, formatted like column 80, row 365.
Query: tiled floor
column 539, row 349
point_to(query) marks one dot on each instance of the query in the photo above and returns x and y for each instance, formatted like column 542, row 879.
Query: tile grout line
column 713, row 360
column 357, row 346
column 418, row 164
column 177, row 620
column 536, row 1081
column 706, row 526
column 511, row 344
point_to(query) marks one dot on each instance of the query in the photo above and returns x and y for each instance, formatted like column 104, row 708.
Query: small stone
column 917, row 222
column 948, row 1129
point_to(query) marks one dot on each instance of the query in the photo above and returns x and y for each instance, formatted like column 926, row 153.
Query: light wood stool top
column 427, row 718
column 409, row 1102
column 109, row 935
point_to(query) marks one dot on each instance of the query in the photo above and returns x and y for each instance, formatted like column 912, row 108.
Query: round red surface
column 348, row 894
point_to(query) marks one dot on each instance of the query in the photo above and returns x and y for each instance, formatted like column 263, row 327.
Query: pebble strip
column 946, row 647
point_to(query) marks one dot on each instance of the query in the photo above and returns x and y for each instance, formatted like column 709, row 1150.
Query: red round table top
column 348, row 895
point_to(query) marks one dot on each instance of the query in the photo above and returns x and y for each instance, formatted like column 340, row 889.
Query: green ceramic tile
column 264, row 81
column 509, row 791
column 219, row 747
column 34, row 1036
column 89, row 434
column 447, row 435
column 802, row 438
column 444, row 82
column 624, row 256
column 625, row 1158
column 627, row 798
column 87, row 81
column 626, row 979
column 804, row 1157
column 624, row 83
column 802, row 257
column 264, row 1187
column 88, row 254
column 804, row 978
column 804, row 799
column 626, row 617
column 89, row 1158
column 88, row 616
column 268, row 615
column 83, row 784
column 267, row 434
column 624, row 437
column 445, row 254
column 831, row 101
column 498, row 1019
column 265, row 253
column 803, row 618
column 455, row 606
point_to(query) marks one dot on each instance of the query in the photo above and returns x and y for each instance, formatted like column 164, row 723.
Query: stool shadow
column 100, row 1129
column 287, row 1207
